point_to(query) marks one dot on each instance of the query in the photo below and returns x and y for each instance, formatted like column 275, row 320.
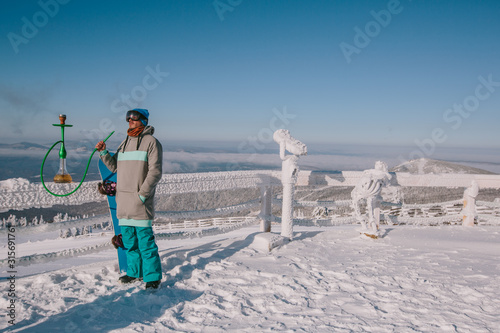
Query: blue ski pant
column 143, row 259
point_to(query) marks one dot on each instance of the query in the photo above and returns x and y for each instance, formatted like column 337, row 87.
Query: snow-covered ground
column 414, row 278
column 331, row 279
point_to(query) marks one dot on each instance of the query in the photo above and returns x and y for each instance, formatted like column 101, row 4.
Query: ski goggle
column 134, row 115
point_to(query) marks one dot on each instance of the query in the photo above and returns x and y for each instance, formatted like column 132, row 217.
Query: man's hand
column 100, row 146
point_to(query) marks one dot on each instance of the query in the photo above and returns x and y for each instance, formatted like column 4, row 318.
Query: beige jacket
column 138, row 164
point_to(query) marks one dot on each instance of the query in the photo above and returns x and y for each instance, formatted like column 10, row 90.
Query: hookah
column 62, row 175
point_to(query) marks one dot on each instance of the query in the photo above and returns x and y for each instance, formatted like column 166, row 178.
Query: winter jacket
column 138, row 164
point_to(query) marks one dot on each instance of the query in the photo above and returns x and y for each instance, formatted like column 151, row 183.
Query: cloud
column 24, row 108
column 361, row 159
column 332, row 159
column 191, row 162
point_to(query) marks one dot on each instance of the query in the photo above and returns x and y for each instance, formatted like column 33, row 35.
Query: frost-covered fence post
column 376, row 215
column 265, row 208
column 289, row 173
column 469, row 210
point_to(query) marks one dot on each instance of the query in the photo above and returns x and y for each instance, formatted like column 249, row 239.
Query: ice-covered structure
column 289, row 173
column 469, row 210
column 368, row 190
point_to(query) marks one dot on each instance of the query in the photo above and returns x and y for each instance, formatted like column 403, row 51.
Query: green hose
column 84, row 175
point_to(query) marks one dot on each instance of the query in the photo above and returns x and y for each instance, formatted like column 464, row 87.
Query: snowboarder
column 138, row 164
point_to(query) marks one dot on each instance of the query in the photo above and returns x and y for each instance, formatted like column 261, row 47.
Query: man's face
column 134, row 123
column 133, row 119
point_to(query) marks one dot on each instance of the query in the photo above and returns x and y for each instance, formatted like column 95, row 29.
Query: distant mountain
column 426, row 165
column 23, row 146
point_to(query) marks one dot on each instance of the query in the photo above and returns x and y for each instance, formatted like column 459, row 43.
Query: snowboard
column 108, row 175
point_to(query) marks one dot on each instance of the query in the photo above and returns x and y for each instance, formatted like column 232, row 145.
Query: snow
column 419, row 279
column 13, row 183
column 21, row 194
column 231, row 277
column 424, row 166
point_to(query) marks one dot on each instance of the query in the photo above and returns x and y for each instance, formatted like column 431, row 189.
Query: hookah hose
column 84, row 175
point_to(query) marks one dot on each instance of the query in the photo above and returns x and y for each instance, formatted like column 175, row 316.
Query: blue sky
column 224, row 70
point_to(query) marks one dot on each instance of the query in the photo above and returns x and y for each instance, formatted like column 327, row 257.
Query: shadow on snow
column 179, row 258
column 134, row 305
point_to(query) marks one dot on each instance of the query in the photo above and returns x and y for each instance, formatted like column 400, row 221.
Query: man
column 138, row 164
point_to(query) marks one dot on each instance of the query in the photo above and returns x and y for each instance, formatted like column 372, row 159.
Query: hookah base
column 64, row 178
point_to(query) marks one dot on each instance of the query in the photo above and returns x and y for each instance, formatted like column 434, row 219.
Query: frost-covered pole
column 265, row 208
column 469, row 210
column 289, row 173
